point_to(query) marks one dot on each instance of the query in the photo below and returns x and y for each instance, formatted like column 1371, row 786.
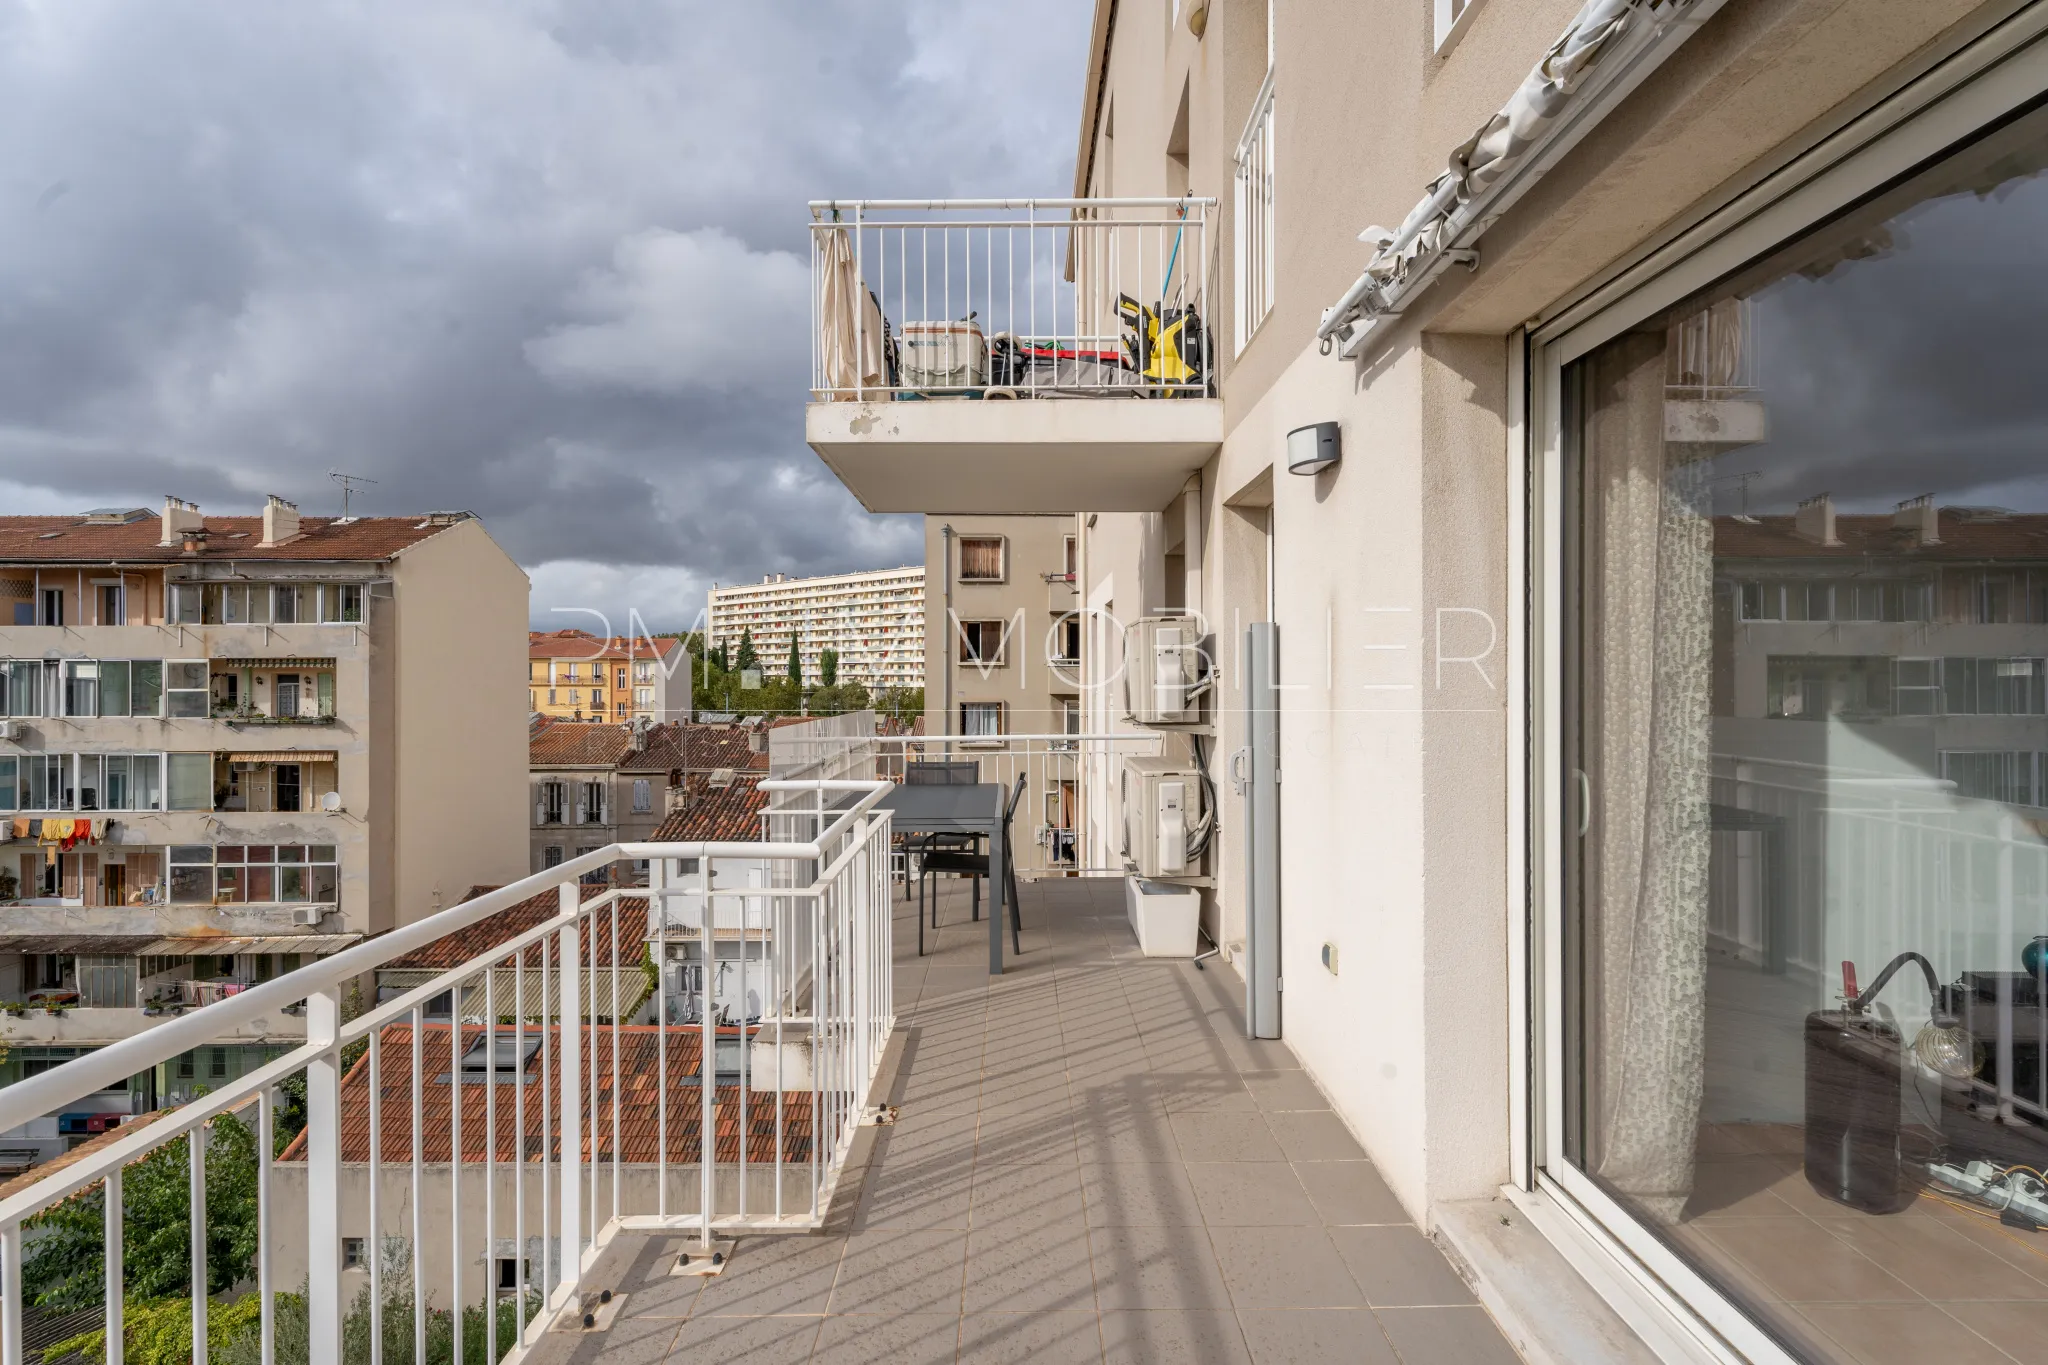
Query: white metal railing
column 1252, row 255
column 1065, row 824
column 739, row 1119
column 1010, row 298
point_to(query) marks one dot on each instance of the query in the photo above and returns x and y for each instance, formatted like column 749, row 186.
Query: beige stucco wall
column 1398, row 750
column 458, row 732
column 1026, row 683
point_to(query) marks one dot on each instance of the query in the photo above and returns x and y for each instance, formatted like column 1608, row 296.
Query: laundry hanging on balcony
column 851, row 340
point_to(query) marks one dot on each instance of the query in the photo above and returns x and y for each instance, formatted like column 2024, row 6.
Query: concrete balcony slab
column 1030, row 455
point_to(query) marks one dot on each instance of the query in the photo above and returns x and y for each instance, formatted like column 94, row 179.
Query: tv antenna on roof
column 348, row 484
column 1742, row 482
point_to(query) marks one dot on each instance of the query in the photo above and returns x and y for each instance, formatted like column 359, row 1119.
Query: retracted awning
column 1607, row 50
column 283, row 756
column 293, row 662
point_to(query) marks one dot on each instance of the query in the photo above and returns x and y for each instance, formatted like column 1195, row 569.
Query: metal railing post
column 569, row 1013
column 323, row 1181
column 10, row 1295
column 116, row 1230
column 196, row 1227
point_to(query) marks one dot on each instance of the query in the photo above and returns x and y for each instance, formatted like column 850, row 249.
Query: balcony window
column 187, row 689
column 188, row 781
column 341, row 602
column 237, row 874
column 21, row 687
column 981, row 559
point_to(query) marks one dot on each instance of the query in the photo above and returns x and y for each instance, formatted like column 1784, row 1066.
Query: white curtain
column 1648, row 673
column 850, row 352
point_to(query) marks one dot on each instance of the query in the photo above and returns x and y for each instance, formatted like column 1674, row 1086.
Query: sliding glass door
column 1797, row 768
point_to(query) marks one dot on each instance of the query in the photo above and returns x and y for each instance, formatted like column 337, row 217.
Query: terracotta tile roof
column 1964, row 537
column 466, row 945
column 635, row 1136
column 693, row 748
column 69, row 539
column 576, row 744
column 718, row 814
column 581, row 644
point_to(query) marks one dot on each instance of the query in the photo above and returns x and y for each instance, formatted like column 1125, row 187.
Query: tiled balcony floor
column 1091, row 1163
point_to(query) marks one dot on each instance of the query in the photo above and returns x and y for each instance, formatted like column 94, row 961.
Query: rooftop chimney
column 280, row 523
column 1815, row 520
column 1919, row 516
column 179, row 517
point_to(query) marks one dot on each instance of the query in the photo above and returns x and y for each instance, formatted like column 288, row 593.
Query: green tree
column 828, row 667
column 796, row 663
column 63, row 1265
column 746, row 658
column 901, row 704
column 159, row 1332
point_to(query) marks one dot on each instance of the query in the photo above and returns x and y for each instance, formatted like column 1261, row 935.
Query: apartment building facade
column 1614, row 419
column 229, row 745
column 1003, row 650
column 874, row 620
column 576, row 676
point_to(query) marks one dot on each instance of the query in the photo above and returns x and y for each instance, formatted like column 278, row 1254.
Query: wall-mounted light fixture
column 1312, row 449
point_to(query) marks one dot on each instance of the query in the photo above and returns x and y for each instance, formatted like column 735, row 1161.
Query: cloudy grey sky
column 1918, row 367
column 544, row 261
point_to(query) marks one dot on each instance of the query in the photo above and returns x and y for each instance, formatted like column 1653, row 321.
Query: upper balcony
column 1008, row 339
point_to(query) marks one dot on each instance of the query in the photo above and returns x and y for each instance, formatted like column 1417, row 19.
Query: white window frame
column 204, row 692
column 120, row 587
column 1452, row 18
column 1963, row 94
column 1254, row 263
column 1002, row 712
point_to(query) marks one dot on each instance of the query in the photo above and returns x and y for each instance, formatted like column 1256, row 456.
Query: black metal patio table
column 972, row 810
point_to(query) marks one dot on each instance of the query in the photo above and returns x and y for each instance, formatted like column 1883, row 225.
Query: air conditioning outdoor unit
column 11, row 729
column 308, row 916
column 1166, row 817
column 1165, row 670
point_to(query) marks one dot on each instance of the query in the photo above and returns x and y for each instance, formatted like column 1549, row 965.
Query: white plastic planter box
column 1165, row 918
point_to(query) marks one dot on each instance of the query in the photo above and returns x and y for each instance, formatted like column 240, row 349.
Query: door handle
column 1241, row 770
column 1585, row 800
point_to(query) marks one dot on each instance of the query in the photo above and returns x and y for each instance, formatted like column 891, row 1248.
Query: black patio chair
column 936, row 773
column 976, row 865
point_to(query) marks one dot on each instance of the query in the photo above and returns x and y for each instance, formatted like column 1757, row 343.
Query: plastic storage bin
column 1164, row 917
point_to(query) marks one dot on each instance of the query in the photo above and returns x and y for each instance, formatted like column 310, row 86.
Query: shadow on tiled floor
column 1091, row 1163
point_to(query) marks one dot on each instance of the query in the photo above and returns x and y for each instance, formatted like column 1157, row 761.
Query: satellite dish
column 331, row 803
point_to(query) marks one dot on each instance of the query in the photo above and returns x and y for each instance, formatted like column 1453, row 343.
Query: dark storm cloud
column 1920, row 369
column 542, row 261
